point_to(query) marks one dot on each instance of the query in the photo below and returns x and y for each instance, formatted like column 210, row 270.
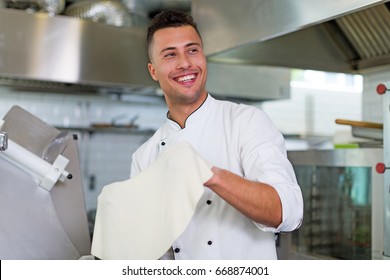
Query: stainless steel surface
column 62, row 53
column 103, row 11
column 30, row 225
column 386, row 161
column 28, row 131
column 124, row 12
column 3, row 141
column 248, row 81
column 35, row 223
column 70, row 51
column 343, row 197
column 146, row 8
column 49, row 6
column 342, row 36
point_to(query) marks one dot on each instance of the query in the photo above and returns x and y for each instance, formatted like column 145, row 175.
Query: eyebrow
column 174, row 48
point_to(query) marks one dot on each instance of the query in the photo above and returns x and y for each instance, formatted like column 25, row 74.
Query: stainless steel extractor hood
column 55, row 51
column 336, row 35
column 39, row 50
column 78, row 46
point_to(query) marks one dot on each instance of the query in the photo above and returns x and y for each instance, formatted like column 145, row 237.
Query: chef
column 253, row 194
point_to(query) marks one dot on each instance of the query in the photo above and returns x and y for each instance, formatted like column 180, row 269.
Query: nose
column 184, row 62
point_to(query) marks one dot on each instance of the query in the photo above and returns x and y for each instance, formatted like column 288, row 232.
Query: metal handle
column 46, row 174
column 3, row 141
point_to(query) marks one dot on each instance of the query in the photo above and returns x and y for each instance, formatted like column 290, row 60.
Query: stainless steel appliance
column 383, row 89
column 70, row 52
column 42, row 209
column 344, row 206
column 347, row 36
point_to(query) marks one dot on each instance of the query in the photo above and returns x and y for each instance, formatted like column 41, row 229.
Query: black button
column 177, row 250
column 163, row 143
column 208, row 202
column 210, row 242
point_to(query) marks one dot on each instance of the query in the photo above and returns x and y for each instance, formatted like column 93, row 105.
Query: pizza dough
column 140, row 218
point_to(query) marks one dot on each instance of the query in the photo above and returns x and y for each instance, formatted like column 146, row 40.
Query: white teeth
column 186, row 78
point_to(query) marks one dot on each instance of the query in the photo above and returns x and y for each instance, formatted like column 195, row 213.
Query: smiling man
column 179, row 65
column 253, row 193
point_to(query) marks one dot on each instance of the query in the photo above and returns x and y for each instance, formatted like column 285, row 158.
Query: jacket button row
column 177, row 250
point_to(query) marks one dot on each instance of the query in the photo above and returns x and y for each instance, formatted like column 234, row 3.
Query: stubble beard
column 178, row 98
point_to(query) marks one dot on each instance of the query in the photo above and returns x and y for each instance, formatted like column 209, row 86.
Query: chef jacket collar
column 198, row 114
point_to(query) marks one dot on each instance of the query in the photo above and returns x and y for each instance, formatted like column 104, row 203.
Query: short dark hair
column 169, row 18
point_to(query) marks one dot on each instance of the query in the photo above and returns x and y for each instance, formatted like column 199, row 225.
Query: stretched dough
column 140, row 218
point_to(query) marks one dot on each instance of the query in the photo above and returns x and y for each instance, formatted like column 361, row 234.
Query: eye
column 168, row 55
column 193, row 50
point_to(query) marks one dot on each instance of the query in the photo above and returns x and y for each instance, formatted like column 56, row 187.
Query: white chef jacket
column 243, row 140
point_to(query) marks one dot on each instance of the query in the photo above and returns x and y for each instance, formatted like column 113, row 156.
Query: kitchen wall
column 373, row 109
column 317, row 100
column 105, row 157
column 312, row 111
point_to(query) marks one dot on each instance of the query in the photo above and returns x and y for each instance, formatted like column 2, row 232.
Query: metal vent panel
column 368, row 31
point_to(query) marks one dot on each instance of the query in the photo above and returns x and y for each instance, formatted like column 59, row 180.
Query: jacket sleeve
column 264, row 159
column 134, row 169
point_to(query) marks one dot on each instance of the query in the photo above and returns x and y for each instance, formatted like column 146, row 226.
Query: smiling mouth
column 186, row 78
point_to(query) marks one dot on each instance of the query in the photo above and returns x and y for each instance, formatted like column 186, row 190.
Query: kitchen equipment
column 370, row 130
column 41, row 216
column 383, row 89
column 343, row 197
column 348, row 36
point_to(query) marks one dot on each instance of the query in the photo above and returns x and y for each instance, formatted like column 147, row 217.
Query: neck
column 180, row 114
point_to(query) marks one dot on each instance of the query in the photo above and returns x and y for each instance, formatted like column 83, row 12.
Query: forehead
column 175, row 37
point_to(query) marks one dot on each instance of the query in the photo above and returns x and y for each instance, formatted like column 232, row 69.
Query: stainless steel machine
column 42, row 208
column 344, row 205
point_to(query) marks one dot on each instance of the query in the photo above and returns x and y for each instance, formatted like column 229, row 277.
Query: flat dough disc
column 140, row 218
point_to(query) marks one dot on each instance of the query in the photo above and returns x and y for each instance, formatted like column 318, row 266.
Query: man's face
column 179, row 64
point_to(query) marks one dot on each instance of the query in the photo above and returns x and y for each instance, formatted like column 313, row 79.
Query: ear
column 152, row 71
